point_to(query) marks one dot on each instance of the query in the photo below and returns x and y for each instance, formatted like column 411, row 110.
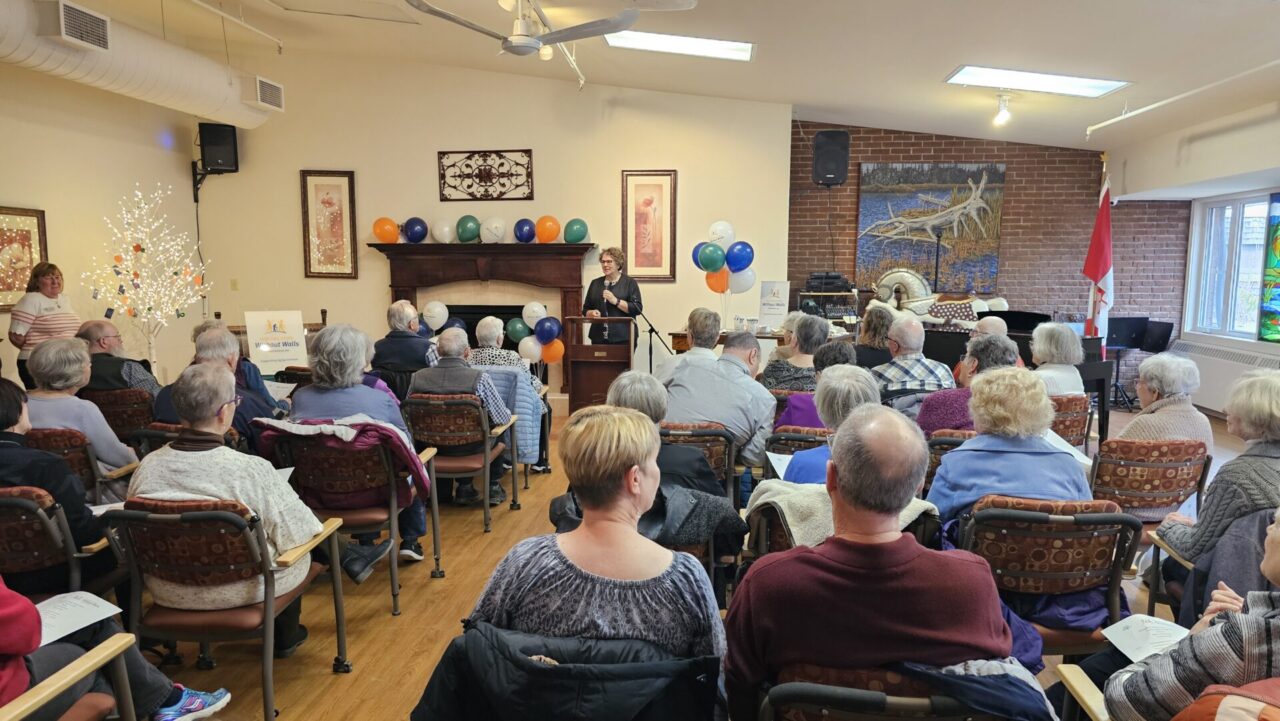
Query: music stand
column 1125, row 334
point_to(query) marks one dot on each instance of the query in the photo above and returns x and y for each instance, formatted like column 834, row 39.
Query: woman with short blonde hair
column 1009, row 456
column 604, row 580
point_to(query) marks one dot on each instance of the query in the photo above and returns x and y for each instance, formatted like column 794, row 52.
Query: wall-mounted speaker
column 831, row 157
column 218, row 152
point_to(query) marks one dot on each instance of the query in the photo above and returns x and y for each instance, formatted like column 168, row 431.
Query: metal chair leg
column 340, row 662
column 484, row 495
column 395, row 559
column 205, row 660
column 268, row 667
column 515, row 486
column 435, row 519
column 120, row 683
column 1156, row 587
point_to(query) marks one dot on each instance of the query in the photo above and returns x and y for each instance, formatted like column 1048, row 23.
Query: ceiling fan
column 523, row 39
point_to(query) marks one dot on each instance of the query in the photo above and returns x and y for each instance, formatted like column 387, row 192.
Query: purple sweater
column 945, row 410
column 800, row 411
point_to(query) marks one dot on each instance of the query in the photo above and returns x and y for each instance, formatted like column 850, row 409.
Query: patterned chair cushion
column 789, row 446
column 1148, row 478
column 194, row 554
column 72, row 446
column 25, row 542
column 126, row 410
column 715, row 448
column 869, row 679
column 936, row 452
column 329, row 477
column 780, row 397
column 1071, row 417
column 436, row 424
column 1023, row 556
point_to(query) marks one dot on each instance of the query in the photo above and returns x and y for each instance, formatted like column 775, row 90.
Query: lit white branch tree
column 150, row 273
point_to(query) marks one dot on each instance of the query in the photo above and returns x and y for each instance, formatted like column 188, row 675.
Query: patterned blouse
column 782, row 375
column 537, row 589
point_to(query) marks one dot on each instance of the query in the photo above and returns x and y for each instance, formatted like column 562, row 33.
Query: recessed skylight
column 1034, row 82
column 681, row 45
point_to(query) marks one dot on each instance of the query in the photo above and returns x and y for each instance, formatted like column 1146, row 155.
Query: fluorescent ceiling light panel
column 1034, row 82
column 681, row 45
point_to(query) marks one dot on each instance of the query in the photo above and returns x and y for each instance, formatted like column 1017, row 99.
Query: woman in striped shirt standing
column 43, row 313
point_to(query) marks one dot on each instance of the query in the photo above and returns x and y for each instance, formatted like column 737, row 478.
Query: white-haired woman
column 60, row 367
column 680, row 464
column 1165, row 384
column 1056, row 351
column 338, row 355
column 796, row 372
column 784, row 349
column 1009, row 456
column 489, row 352
column 841, row 389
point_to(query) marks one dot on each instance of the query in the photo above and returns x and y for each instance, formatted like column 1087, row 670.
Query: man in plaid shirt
column 909, row 369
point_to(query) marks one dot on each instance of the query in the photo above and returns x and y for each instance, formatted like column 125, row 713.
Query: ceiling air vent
column 262, row 93
column 73, row 25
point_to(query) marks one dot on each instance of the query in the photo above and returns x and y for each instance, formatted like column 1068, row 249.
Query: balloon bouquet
column 536, row 334
column 469, row 229
column 726, row 261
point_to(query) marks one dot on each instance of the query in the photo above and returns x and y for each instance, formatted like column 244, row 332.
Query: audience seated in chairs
column 110, row 369
column 1228, row 645
column 217, row 346
column 403, row 348
column 604, row 580
column 867, row 596
column 796, row 373
column 489, row 352
column 1009, row 456
column 198, row 466
column 800, row 410
column 1165, row 384
column 991, row 325
column 873, row 338
column 681, row 465
column 61, row 368
column 248, row 375
column 454, row 375
column 703, row 331
column 338, row 355
column 729, row 395
column 1248, row 483
column 23, row 466
column 910, row 375
column 841, row 390
column 24, row 663
column 1056, row 350
column 949, row 409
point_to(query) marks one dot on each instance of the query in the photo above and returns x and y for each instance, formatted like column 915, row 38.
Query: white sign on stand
column 277, row 339
column 774, row 296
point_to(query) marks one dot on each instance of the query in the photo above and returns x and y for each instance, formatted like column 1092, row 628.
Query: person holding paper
column 26, row 660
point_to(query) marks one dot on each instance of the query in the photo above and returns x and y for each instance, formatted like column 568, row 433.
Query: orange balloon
column 718, row 281
column 553, row 351
column 547, row 230
column 386, row 230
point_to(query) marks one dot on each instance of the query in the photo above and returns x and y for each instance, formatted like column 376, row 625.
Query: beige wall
column 386, row 121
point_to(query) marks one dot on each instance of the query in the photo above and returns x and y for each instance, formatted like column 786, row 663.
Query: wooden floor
column 393, row 656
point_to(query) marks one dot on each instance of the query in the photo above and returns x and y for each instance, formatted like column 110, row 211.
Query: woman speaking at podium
column 613, row 295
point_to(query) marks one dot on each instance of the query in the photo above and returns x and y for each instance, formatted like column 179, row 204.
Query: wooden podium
column 591, row 368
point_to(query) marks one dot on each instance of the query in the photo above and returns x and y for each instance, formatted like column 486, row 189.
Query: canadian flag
column 1097, row 268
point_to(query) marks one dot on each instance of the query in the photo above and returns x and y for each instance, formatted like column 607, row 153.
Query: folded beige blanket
column 807, row 509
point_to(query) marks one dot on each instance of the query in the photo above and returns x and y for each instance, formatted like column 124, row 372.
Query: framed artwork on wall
column 649, row 224
column 329, row 223
column 486, row 174
column 22, row 245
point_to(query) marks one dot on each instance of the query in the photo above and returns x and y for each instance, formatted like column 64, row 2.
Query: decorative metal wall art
column 486, row 175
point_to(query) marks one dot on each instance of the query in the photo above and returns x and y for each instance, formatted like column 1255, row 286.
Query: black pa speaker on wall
column 218, row 148
column 831, row 157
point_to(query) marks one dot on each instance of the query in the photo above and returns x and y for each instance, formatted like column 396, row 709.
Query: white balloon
column 444, row 232
column 742, row 281
column 721, row 233
column 532, row 313
column 436, row 314
column 530, row 349
column 493, row 230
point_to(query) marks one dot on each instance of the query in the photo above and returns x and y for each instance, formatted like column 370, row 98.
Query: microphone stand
column 653, row 332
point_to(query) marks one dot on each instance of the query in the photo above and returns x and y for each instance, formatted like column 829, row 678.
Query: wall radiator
column 1219, row 369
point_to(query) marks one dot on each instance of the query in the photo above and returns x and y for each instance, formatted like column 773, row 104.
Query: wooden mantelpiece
column 423, row 265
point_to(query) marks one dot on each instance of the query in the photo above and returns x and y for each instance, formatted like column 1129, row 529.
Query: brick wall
column 1050, row 201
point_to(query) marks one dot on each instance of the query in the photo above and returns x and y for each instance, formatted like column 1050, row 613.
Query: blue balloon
column 697, row 249
column 525, row 231
column 415, row 230
column 454, row 323
column 739, row 256
column 547, row 330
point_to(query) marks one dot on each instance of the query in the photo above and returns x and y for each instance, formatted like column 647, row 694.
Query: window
column 1228, row 250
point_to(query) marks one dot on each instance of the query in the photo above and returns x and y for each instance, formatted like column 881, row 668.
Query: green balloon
column 575, row 231
column 517, row 330
column 468, row 228
column 710, row 258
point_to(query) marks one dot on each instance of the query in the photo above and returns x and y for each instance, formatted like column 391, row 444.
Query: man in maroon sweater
column 870, row 595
